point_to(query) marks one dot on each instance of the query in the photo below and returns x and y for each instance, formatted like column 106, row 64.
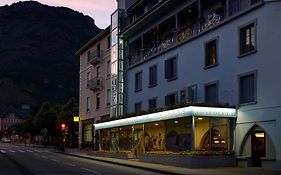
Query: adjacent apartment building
column 194, row 75
column 94, row 99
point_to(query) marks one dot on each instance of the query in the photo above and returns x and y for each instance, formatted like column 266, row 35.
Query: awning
column 171, row 114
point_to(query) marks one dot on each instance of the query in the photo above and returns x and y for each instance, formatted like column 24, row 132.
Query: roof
column 94, row 40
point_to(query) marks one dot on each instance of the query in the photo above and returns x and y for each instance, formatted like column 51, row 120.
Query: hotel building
column 196, row 75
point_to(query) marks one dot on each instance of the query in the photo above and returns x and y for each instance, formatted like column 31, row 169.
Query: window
column 138, row 107
column 108, row 42
column 108, row 97
column 98, row 71
column 88, row 55
column 211, row 93
column 88, row 76
column 108, row 69
column 153, row 76
column 98, row 50
column 189, row 94
column 171, row 68
column 248, row 39
column 138, row 81
column 97, row 101
column 88, row 104
column 211, row 53
column 152, row 103
column 171, row 99
column 247, row 88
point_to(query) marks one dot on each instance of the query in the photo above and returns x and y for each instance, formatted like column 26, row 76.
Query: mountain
column 37, row 52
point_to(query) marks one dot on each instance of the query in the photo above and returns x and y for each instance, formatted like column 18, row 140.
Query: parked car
column 6, row 140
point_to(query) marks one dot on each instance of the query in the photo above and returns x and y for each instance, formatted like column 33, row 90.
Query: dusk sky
column 100, row 10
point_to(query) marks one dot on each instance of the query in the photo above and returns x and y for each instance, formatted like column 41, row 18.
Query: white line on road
column 21, row 151
column 12, row 151
column 86, row 169
column 3, row 151
column 30, row 151
column 69, row 164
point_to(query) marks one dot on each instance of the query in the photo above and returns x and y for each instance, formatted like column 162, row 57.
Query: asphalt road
column 20, row 160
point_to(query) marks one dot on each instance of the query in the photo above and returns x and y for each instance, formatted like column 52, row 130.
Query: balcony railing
column 95, row 57
column 186, row 32
column 95, row 84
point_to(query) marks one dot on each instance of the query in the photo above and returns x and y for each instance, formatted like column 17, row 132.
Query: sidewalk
column 172, row 170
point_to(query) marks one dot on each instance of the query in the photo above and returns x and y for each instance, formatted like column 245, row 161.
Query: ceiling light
column 259, row 134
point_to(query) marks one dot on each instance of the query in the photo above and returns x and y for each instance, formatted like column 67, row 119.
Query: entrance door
column 258, row 147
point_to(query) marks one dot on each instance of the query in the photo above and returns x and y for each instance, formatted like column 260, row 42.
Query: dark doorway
column 258, row 147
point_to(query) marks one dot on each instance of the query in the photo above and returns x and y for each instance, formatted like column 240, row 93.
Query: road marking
column 30, row 151
column 45, row 157
column 55, row 160
column 3, row 151
column 38, row 151
column 86, row 169
column 69, row 164
column 21, row 151
column 12, row 151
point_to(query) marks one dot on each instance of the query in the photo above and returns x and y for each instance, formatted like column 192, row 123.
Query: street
column 21, row 160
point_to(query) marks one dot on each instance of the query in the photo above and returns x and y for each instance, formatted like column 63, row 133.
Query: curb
column 122, row 164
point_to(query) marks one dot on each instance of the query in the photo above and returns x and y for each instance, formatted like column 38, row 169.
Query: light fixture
column 200, row 118
column 176, row 121
column 261, row 134
column 222, row 141
column 156, row 124
column 216, row 141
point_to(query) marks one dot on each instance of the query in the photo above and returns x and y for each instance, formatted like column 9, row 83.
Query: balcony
column 189, row 23
column 95, row 57
column 95, row 84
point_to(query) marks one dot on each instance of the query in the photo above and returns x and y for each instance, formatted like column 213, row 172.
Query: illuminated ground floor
column 184, row 129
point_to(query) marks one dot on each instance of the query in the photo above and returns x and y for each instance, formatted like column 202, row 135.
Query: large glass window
column 212, row 134
column 155, row 136
column 202, row 129
column 220, row 134
column 125, row 138
column 138, row 140
column 179, row 134
column 114, row 139
column 87, row 137
column 105, row 139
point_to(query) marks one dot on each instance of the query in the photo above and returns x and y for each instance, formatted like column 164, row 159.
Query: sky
column 100, row 10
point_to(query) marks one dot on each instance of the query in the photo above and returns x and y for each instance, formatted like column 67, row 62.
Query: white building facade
column 221, row 53
column 94, row 101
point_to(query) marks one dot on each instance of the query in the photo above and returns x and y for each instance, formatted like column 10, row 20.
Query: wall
column 266, row 112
